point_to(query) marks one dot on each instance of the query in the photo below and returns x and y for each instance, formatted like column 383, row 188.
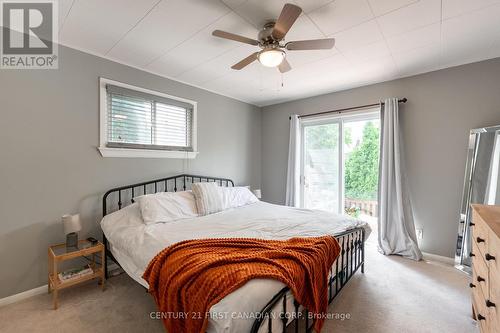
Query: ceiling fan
column 271, row 41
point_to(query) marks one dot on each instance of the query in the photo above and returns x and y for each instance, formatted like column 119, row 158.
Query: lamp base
column 72, row 240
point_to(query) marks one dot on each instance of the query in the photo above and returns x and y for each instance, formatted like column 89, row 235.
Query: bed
column 132, row 244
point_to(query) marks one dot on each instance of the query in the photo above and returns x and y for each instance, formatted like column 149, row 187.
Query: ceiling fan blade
column 238, row 38
column 284, row 66
column 287, row 18
column 245, row 62
column 311, row 44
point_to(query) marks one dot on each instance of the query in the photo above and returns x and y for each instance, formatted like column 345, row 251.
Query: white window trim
column 140, row 153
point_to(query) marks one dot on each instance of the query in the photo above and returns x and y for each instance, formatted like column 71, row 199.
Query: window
column 137, row 122
column 339, row 164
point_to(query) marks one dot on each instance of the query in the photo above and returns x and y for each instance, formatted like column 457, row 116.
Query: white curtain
column 396, row 229
column 293, row 170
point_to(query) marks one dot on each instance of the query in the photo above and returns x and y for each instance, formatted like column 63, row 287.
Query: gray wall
column 442, row 107
column 49, row 164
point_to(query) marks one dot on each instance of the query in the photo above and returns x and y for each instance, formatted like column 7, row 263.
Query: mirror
column 481, row 186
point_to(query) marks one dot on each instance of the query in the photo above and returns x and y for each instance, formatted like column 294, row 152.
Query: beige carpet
column 394, row 295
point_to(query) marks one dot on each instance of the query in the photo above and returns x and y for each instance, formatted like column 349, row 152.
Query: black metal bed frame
column 351, row 258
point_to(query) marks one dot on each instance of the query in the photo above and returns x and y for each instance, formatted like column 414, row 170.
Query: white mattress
column 134, row 244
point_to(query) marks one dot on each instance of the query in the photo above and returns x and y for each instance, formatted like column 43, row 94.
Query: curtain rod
column 402, row 100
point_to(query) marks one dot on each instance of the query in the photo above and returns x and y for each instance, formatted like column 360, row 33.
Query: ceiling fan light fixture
column 271, row 57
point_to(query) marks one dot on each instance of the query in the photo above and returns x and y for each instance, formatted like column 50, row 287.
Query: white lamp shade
column 271, row 57
column 258, row 193
column 71, row 223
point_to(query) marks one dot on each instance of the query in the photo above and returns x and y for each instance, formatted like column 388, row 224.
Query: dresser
column 485, row 255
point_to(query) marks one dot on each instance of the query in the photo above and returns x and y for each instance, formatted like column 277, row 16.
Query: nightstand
column 59, row 253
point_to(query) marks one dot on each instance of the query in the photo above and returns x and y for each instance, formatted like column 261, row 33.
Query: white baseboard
column 442, row 259
column 24, row 295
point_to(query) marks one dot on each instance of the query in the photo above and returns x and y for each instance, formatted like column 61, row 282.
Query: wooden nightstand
column 59, row 253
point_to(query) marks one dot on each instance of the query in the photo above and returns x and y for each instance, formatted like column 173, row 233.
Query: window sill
column 145, row 153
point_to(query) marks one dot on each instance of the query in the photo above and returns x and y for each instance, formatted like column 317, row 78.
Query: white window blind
column 145, row 121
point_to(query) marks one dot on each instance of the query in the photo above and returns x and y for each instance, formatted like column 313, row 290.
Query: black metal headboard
column 182, row 182
column 119, row 197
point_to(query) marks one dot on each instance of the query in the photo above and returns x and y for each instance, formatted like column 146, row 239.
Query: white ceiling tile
column 381, row 7
column 217, row 67
column 238, row 83
column 419, row 60
column 379, row 69
column 233, row 3
column 470, row 37
column 203, row 46
column 168, row 25
column 450, row 59
column 340, row 15
column 301, row 58
column 304, row 28
column 310, row 5
column 317, row 71
column 453, row 8
column 169, row 66
column 339, row 73
column 93, row 24
column 417, row 38
column 358, row 36
column 368, row 51
column 259, row 12
column 419, row 14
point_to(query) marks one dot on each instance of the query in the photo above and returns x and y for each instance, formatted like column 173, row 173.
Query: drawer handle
column 472, row 224
column 472, row 285
column 490, row 304
column 489, row 257
column 480, row 279
column 481, row 317
column 479, row 240
column 472, row 254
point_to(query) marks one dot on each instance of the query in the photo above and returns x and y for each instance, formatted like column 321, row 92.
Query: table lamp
column 72, row 225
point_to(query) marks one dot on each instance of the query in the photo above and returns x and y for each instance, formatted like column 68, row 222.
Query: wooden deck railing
column 368, row 207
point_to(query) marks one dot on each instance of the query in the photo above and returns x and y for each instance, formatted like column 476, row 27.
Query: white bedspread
column 134, row 244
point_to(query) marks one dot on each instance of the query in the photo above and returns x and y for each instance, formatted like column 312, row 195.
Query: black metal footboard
column 283, row 313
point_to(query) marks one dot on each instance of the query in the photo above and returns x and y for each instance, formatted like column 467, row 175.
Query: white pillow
column 208, row 198
column 233, row 197
column 167, row 206
column 211, row 198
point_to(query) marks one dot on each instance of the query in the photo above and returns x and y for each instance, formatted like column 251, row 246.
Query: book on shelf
column 75, row 273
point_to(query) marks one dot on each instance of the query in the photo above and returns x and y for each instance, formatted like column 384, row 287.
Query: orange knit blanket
column 188, row 278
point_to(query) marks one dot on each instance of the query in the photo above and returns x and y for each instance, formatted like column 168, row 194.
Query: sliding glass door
column 320, row 166
column 339, row 164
